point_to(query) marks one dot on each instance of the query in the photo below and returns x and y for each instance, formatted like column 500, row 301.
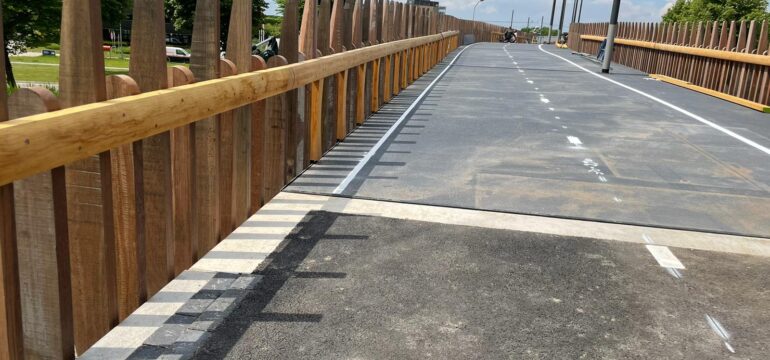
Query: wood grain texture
column 204, row 64
column 43, row 249
column 11, row 332
column 257, row 144
column 148, row 68
column 290, row 51
column 337, row 26
column 360, row 93
column 308, row 30
column 239, row 51
column 275, row 136
column 226, row 153
column 128, row 214
column 186, row 246
column 341, row 103
column 89, row 197
column 315, row 137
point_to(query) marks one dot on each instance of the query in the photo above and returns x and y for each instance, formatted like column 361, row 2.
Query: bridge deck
column 511, row 205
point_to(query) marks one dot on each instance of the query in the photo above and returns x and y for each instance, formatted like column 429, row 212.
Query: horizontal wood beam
column 727, row 97
column 709, row 53
column 37, row 143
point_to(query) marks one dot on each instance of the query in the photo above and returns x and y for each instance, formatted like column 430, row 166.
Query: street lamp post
column 474, row 9
column 612, row 29
column 474, row 19
column 550, row 27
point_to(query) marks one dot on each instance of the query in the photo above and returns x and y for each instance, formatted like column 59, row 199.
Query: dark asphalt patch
column 345, row 286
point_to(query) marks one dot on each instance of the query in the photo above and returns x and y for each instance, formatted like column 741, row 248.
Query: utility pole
column 561, row 20
column 574, row 11
column 611, row 36
column 512, row 12
column 540, row 29
column 580, row 11
column 527, row 22
column 550, row 27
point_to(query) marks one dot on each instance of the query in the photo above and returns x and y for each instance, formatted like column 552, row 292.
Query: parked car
column 177, row 54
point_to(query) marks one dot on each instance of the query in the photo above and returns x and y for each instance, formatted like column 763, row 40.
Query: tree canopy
column 721, row 10
column 181, row 13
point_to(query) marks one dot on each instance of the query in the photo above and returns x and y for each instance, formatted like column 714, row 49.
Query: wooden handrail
column 37, row 143
column 688, row 50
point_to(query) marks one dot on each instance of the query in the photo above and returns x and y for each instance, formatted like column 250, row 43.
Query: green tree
column 181, row 13
column 719, row 10
column 34, row 23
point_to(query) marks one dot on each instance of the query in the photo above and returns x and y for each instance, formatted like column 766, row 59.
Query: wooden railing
column 729, row 58
column 111, row 189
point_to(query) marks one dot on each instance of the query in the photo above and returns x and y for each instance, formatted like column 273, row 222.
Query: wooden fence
column 729, row 58
column 120, row 183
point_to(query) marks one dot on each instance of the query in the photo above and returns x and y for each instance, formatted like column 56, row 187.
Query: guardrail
column 729, row 58
column 110, row 190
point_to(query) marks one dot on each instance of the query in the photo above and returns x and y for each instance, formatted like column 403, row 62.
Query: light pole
column 550, row 27
column 561, row 20
column 611, row 36
column 474, row 9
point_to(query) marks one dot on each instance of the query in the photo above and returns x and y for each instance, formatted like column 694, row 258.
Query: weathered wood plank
column 204, row 64
column 290, row 51
column 275, row 137
column 89, row 199
column 186, row 244
column 239, row 51
column 257, row 144
column 12, row 338
column 43, row 248
column 148, row 68
column 128, row 215
column 226, row 150
column 341, row 102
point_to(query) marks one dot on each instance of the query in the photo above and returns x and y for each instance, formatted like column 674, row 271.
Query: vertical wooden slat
column 289, row 49
column 360, row 93
column 43, row 247
column 128, row 216
column 148, row 69
column 761, row 49
column 341, row 101
column 11, row 335
column 275, row 137
column 239, row 51
column 204, row 64
column 315, row 137
column 89, row 199
column 748, row 47
column 226, row 152
column 186, row 246
column 257, row 144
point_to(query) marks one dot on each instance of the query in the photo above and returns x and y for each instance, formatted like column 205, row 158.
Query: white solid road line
column 672, row 106
column 353, row 173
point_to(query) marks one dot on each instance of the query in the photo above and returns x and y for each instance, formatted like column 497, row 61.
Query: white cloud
column 489, row 10
column 665, row 8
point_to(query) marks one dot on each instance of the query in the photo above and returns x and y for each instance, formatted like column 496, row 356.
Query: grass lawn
column 42, row 69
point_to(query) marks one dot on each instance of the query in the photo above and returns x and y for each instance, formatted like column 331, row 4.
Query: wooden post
column 307, row 34
column 43, row 247
column 128, row 215
column 89, row 199
column 360, row 94
column 315, row 136
column 275, row 136
column 341, row 101
column 387, row 78
column 11, row 338
column 257, row 144
column 239, row 51
column 186, row 242
column 375, row 94
column 289, row 49
column 226, row 153
column 204, row 64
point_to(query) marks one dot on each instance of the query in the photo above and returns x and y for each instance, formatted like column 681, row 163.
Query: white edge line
column 344, row 184
column 683, row 111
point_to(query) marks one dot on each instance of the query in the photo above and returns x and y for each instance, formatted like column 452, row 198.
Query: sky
column 499, row 11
